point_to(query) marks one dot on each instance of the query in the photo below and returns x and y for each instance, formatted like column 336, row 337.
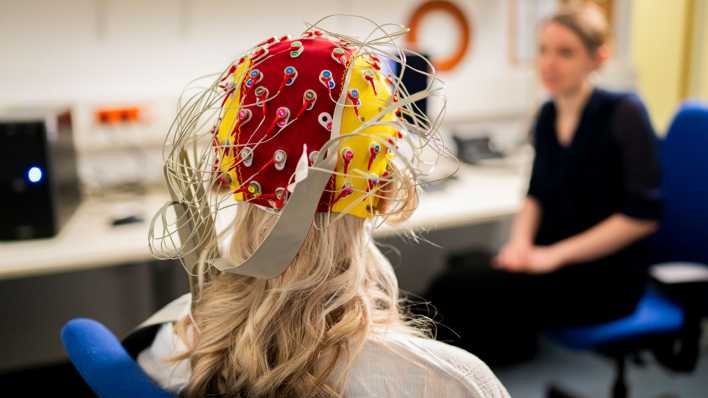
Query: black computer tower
column 39, row 184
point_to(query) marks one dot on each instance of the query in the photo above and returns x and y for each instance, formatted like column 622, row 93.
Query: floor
column 589, row 375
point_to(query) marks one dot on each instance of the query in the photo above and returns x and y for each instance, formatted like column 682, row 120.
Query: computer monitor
column 413, row 80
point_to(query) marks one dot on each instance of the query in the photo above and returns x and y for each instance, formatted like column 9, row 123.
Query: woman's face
column 563, row 61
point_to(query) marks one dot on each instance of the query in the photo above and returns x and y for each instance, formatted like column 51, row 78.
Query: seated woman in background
column 574, row 256
column 304, row 135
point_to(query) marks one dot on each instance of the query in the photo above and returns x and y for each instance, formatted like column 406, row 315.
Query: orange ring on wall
column 452, row 10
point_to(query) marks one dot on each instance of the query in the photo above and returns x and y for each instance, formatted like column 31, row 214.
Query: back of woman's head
column 286, row 336
column 315, row 140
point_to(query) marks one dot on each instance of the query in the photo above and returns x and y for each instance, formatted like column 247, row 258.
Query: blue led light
column 34, row 174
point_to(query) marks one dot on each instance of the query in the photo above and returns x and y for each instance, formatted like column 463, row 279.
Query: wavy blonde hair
column 284, row 337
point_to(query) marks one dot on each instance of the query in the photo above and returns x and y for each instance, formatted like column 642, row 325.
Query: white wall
column 129, row 51
column 698, row 83
column 106, row 50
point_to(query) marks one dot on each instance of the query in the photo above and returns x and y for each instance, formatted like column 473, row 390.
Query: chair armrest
column 104, row 364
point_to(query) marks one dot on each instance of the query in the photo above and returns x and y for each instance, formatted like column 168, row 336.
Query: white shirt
column 391, row 365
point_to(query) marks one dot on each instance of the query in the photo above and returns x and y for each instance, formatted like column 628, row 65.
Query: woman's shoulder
column 545, row 111
column 423, row 364
column 543, row 122
column 628, row 116
column 154, row 360
column 619, row 98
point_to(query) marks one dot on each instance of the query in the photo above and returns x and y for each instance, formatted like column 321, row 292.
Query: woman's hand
column 513, row 256
column 524, row 257
column 543, row 259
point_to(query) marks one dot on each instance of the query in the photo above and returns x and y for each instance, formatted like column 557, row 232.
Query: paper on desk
column 678, row 272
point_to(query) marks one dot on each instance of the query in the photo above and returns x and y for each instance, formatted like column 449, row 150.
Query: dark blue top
column 610, row 166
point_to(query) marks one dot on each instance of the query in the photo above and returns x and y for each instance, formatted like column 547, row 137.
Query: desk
column 479, row 195
column 88, row 240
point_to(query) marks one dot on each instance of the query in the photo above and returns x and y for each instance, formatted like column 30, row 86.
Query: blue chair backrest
column 683, row 232
column 104, row 364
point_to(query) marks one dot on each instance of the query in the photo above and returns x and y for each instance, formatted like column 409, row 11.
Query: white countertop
column 88, row 240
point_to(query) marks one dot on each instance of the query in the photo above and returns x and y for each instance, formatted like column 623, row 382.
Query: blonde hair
column 284, row 337
column 587, row 21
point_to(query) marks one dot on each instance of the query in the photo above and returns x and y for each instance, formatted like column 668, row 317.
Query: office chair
column 659, row 322
column 104, row 364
